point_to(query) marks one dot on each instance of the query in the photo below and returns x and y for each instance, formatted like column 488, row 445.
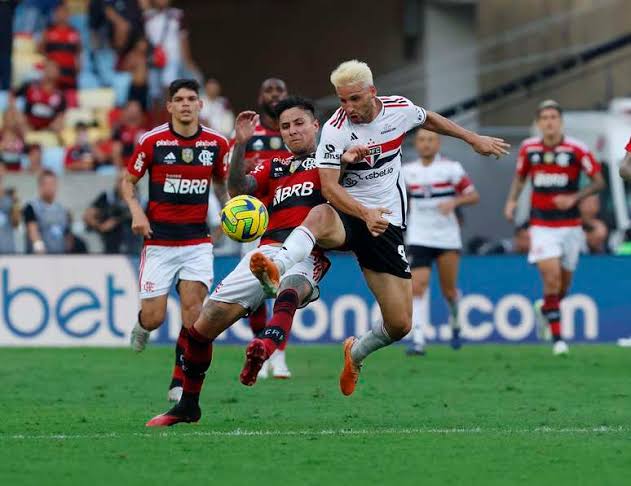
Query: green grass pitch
column 487, row 415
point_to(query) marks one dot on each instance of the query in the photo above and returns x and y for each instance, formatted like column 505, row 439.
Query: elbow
column 328, row 193
column 475, row 198
column 625, row 172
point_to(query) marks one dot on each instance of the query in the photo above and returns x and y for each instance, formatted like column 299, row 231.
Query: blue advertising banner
column 93, row 301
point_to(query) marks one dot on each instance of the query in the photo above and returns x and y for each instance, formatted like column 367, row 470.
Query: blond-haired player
column 366, row 212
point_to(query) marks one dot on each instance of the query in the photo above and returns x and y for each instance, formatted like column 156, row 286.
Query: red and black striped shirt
column 292, row 187
column 554, row 171
column 62, row 44
column 181, row 170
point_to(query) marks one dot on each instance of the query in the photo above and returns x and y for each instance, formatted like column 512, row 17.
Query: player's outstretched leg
column 275, row 333
column 198, row 354
column 257, row 321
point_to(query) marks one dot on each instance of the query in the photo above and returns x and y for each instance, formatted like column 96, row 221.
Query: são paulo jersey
column 292, row 187
column 376, row 181
column 428, row 186
column 554, row 171
column 180, row 173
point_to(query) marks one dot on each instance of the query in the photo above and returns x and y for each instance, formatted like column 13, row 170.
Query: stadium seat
column 24, row 44
column 96, row 98
column 44, row 138
column 53, row 159
column 76, row 115
column 25, row 68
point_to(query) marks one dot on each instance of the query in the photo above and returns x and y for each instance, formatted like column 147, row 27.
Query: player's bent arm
column 467, row 199
column 238, row 181
column 513, row 194
column 128, row 192
column 598, row 184
column 221, row 190
column 625, row 167
column 338, row 196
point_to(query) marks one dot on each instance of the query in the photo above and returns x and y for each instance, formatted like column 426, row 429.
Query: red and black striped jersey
column 42, row 106
column 265, row 144
column 553, row 171
column 292, row 187
column 181, row 170
column 62, row 44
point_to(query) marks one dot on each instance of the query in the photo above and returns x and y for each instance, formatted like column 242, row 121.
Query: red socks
column 198, row 354
column 258, row 318
column 276, row 332
column 178, row 375
column 551, row 309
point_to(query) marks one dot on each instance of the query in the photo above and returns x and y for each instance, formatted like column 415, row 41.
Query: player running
column 554, row 163
column 266, row 143
column 436, row 187
column 184, row 159
column 366, row 213
column 293, row 187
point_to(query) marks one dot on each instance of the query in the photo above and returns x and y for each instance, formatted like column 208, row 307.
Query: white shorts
column 243, row 288
column 564, row 243
column 161, row 265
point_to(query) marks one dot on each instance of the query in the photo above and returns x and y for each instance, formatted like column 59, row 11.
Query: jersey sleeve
column 589, row 164
column 628, row 147
column 261, row 174
column 523, row 163
column 220, row 169
column 415, row 116
column 333, row 143
column 140, row 161
column 461, row 180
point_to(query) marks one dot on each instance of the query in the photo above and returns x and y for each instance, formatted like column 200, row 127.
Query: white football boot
column 279, row 365
column 560, row 348
column 139, row 338
column 264, row 371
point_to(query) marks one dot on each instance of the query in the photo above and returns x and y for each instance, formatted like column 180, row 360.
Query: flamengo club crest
column 187, row 155
column 206, row 157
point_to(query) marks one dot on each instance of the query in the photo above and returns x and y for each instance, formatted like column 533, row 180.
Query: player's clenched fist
column 375, row 221
column 140, row 225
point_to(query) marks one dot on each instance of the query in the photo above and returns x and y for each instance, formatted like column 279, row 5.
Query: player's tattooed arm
column 238, row 181
column 511, row 201
column 480, row 143
column 625, row 167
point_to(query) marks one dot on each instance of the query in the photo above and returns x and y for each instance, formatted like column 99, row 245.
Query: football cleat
column 560, row 348
column 177, row 415
column 455, row 342
column 279, row 365
column 255, row 356
column 139, row 338
column 350, row 372
column 175, row 394
column 264, row 371
column 415, row 350
column 542, row 325
column 266, row 272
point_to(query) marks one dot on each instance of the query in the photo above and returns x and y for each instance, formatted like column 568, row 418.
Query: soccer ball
column 244, row 218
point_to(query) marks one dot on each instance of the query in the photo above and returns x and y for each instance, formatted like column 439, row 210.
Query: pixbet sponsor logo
column 167, row 143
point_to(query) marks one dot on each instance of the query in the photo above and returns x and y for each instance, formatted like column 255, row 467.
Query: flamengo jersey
column 266, row 144
column 376, row 181
column 553, row 171
column 292, row 187
column 181, row 170
column 428, row 187
column 628, row 147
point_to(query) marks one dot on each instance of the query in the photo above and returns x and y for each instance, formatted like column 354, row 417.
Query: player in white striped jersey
column 366, row 213
column 436, row 187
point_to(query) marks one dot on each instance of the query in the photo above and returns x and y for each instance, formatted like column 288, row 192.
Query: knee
column 151, row 319
column 400, row 328
column 190, row 313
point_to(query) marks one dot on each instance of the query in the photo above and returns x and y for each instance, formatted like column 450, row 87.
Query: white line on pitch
column 326, row 432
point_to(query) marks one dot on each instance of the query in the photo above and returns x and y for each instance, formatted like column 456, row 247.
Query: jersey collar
column 182, row 137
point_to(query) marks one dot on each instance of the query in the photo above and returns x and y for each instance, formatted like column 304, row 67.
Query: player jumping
column 554, row 163
column 293, row 188
column 183, row 159
column 366, row 213
column 267, row 143
column 436, row 187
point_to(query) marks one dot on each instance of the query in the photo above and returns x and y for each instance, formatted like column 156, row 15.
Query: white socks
column 370, row 342
column 296, row 248
column 453, row 312
column 420, row 314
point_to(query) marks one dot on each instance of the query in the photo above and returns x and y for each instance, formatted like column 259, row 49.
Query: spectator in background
column 44, row 101
column 34, row 15
column 119, row 21
column 596, row 231
column 47, row 221
column 7, row 10
column 170, row 50
column 62, row 43
column 34, row 154
column 216, row 112
column 136, row 63
column 518, row 244
column 11, row 149
column 9, row 215
column 109, row 216
column 80, row 156
column 127, row 133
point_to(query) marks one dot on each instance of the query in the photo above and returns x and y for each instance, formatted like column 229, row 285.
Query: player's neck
column 427, row 160
column 376, row 109
column 184, row 129
column 552, row 140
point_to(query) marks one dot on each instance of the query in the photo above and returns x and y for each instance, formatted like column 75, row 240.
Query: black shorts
column 384, row 253
column 423, row 256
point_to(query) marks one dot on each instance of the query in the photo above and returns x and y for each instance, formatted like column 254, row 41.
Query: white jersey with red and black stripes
column 375, row 181
column 428, row 187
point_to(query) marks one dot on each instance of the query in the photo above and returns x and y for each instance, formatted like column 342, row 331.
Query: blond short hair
column 352, row 72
